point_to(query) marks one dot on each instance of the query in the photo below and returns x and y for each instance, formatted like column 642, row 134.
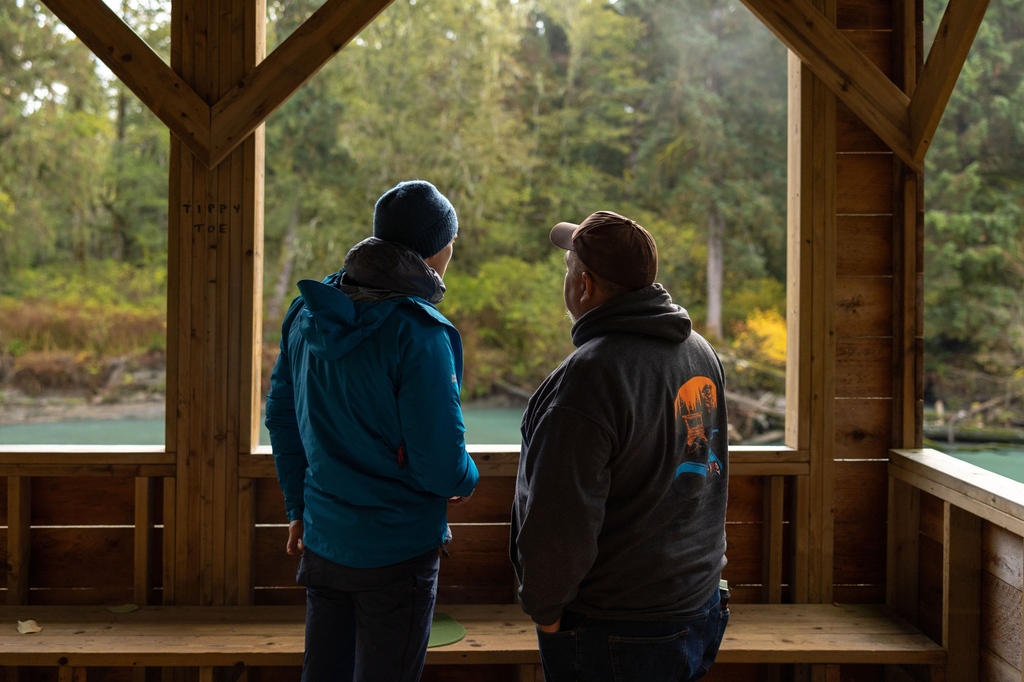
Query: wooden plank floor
column 262, row 636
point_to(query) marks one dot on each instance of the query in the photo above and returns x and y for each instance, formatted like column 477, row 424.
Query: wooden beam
column 161, row 89
column 843, row 68
column 946, row 59
column 275, row 79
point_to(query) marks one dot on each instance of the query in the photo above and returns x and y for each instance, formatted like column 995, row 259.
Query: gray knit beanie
column 416, row 215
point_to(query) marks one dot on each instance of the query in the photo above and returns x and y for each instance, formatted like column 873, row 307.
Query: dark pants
column 599, row 650
column 367, row 624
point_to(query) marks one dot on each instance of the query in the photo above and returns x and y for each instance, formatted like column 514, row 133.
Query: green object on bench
column 445, row 630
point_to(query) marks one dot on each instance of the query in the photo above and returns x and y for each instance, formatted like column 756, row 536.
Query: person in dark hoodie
column 618, row 522
column 369, row 441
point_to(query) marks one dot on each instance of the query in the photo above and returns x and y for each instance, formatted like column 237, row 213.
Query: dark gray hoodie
column 623, row 475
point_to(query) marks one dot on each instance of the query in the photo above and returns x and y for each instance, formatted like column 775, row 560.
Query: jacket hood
column 649, row 311
column 349, row 305
column 376, row 270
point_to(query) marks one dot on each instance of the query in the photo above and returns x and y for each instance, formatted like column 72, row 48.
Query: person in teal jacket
column 369, row 442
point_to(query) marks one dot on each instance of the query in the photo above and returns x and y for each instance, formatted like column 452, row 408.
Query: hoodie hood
column 649, row 311
column 376, row 270
column 349, row 305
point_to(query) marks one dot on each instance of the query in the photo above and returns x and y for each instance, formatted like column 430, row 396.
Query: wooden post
column 19, row 538
column 812, row 217
column 144, row 488
column 214, row 325
column 961, row 593
column 903, row 549
column 774, row 505
column 908, row 259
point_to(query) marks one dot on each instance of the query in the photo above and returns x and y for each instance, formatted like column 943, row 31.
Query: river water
column 484, row 426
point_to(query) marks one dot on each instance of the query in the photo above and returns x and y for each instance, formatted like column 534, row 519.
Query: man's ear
column 587, row 291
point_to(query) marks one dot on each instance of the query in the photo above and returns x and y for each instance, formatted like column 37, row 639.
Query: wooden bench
column 211, row 637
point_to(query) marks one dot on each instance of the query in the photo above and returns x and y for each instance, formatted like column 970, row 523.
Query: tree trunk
column 275, row 306
column 716, row 267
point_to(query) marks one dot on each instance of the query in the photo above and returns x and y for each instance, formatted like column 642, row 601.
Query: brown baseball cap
column 613, row 246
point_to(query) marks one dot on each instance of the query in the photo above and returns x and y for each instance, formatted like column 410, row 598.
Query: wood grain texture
column 864, row 184
column 864, row 306
column 273, row 636
column 961, row 598
column 863, row 368
column 1003, row 555
column 864, row 246
column 1001, row 619
column 863, row 428
column 66, row 501
column 70, row 557
column 903, row 549
column 864, row 14
column 861, row 490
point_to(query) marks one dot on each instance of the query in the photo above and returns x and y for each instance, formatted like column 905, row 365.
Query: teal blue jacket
column 366, row 424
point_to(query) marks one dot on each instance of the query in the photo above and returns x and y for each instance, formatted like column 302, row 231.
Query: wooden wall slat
column 863, row 306
column 931, row 517
column 66, row 500
column 861, row 491
column 479, row 560
column 864, row 14
column 860, row 553
column 77, row 557
column 864, row 184
column 863, row 368
column 864, row 246
column 929, row 613
column 854, row 135
column 746, row 500
column 876, row 46
column 1001, row 619
column 995, row 669
column 272, row 566
column 863, row 428
column 491, row 503
column 269, row 501
column 1003, row 555
column 744, row 552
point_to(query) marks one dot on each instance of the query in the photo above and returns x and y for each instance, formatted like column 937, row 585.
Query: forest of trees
column 525, row 113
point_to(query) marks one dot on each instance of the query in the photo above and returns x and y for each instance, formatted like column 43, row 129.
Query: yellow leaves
column 762, row 338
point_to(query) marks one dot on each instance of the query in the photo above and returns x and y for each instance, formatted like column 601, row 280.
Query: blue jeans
column 589, row 649
column 367, row 624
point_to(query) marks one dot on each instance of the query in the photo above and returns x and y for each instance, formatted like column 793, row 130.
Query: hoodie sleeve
column 433, row 432
column 289, row 452
column 563, row 485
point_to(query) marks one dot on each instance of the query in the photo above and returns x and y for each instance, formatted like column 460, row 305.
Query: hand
column 550, row 628
column 459, row 500
column 294, row 545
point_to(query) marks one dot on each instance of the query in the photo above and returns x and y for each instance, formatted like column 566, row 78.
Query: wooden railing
column 91, row 521
column 956, row 560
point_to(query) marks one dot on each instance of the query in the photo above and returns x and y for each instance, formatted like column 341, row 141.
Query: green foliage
column 103, row 307
column 974, row 196
column 512, row 319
